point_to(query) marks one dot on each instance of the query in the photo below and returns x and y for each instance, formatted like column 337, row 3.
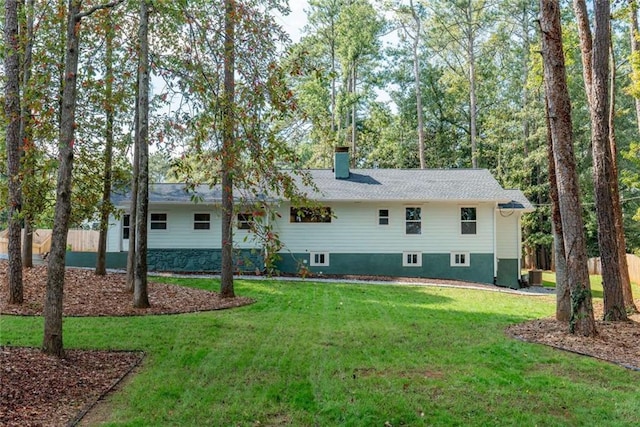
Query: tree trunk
column 417, row 82
column 52, row 342
column 105, row 209
column 27, row 244
column 140, row 296
column 526, row 44
column 13, row 147
column 586, row 45
column 635, row 52
column 602, row 161
column 228, row 150
column 131, row 254
column 26, row 133
column 473, row 109
column 334, row 77
column 625, row 279
column 563, row 294
column 582, row 321
column 354, row 135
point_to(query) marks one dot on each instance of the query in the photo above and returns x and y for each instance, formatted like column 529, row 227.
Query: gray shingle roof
column 411, row 185
column 174, row 193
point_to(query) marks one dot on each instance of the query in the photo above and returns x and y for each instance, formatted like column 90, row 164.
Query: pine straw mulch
column 38, row 390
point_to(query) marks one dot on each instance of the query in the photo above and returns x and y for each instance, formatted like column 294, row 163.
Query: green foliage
column 337, row 56
column 345, row 354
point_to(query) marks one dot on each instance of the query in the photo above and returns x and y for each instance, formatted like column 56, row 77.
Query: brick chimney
column 341, row 162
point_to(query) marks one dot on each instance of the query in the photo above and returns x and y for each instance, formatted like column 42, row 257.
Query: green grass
column 355, row 355
column 595, row 280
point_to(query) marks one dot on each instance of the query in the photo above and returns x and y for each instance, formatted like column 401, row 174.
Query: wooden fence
column 633, row 261
column 77, row 240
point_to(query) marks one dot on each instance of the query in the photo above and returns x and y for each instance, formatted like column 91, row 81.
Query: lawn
column 354, row 355
column 595, row 280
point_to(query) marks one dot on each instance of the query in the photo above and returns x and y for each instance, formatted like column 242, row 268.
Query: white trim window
column 158, row 221
column 322, row 214
column 126, row 226
column 468, row 220
column 413, row 220
column 460, row 259
column 201, row 221
column 383, row 216
column 319, row 259
column 412, row 259
column 245, row 221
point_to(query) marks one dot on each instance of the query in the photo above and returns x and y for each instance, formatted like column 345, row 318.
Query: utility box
column 535, row 277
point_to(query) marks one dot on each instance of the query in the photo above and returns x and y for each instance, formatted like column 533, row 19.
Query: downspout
column 120, row 234
column 519, row 248
column 495, row 244
column 265, row 247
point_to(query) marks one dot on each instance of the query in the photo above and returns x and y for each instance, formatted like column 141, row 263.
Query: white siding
column 114, row 234
column 508, row 226
column 180, row 233
column 355, row 230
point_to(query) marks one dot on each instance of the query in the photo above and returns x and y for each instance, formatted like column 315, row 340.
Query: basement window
column 319, row 259
column 412, row 259
column 460, row 259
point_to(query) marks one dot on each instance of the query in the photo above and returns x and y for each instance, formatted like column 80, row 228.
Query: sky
column 295, row 21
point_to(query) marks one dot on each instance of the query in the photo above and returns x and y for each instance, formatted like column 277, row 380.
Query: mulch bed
column 38, row 390
column 86, row 294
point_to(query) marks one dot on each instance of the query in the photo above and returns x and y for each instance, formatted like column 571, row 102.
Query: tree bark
column 625, row 279
column 563, row 292
column 635, row 52
column 27, row 243
column 140, row 295
column 597, row 88
column 582, row 321
column 473, row 108
column 586, row 44
column 13, row 148
column 26, row 134
column 417, row 82
column 131, row 254
column 228, row 151
column 53, row 341
column 105, row 209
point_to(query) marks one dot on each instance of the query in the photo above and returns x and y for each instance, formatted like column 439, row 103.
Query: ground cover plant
column 324, row 354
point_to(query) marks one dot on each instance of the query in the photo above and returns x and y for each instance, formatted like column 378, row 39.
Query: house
column 446, row 223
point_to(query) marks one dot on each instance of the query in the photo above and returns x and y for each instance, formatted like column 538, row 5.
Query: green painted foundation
column 435, row 266
column 508, row 273
column 116, row 260
column 202, row 260
column 175, row 260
